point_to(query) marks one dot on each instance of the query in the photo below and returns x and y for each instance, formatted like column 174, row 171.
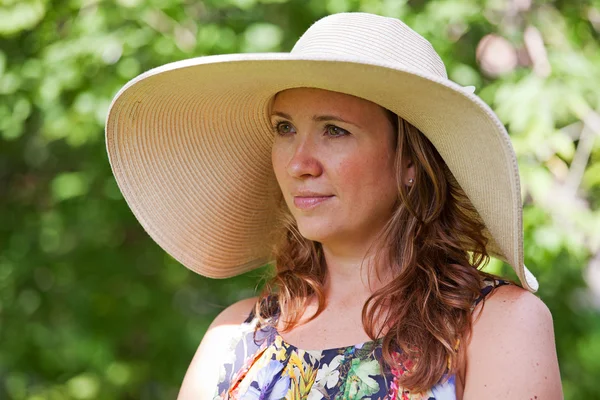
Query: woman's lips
column 306, row 202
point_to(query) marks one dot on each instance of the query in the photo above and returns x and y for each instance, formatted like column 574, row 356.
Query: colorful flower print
column 263, row 366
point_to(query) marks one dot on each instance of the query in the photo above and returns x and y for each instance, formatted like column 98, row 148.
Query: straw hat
column 189, row 142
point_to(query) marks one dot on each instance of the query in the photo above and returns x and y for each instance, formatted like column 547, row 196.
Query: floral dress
column 262, row 366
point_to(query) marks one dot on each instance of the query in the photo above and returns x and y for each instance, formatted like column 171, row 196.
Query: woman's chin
column 315, row 233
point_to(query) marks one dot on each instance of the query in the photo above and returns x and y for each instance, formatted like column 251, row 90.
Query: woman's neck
column 351, row 276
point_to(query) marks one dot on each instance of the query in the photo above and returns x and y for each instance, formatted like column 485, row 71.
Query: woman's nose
column 304, row 162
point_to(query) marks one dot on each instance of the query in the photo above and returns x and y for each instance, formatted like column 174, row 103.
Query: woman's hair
column 435, row 245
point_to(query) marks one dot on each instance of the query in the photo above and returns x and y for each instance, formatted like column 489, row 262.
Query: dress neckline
column 487, row 287
column 341, row 349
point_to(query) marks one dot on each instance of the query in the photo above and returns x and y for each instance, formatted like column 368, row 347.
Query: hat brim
column 190, row 147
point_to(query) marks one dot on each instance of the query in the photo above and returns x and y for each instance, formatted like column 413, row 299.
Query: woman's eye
column 333, row 130
column 282, row 128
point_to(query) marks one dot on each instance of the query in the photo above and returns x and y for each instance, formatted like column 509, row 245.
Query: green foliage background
column 91, row 308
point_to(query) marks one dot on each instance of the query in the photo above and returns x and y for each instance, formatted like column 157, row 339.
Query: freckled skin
column 356, row 168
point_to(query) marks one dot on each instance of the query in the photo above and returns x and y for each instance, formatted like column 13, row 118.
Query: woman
column 388, row 187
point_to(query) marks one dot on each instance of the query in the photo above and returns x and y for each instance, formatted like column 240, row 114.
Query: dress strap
column 250, row 316
column 489, row 286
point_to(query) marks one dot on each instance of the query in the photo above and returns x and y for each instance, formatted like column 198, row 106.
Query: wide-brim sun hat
column 190, row 142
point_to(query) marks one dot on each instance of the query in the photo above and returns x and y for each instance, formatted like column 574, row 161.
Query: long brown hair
column 434, row 244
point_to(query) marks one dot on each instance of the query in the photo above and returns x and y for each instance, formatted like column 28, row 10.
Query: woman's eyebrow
column 317, row 118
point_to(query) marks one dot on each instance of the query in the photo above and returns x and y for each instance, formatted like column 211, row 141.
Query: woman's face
column 333, row 156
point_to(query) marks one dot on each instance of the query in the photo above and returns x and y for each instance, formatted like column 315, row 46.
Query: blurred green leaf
column 16, row 16
column 262, row 37
column 68, row 185
column 84, row 386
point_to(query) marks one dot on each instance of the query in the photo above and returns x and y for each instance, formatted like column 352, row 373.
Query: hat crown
column 370, row 37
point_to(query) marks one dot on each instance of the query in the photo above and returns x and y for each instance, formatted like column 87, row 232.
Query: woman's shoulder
column 202, row 375
column 511, row 312
column 511, row 351
column 505, row 300
column 237, row 313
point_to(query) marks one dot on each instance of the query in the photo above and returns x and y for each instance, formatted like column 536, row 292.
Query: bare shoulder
column 202, row 375
column 235, row 313
column 512, row 352
column 514, row 305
